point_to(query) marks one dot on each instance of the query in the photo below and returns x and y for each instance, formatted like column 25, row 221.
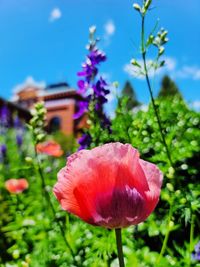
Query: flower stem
column 48, row 199
column 164, row 245
column 151, row 93
column 156, row 111
column 191, row 238
column 119, row 247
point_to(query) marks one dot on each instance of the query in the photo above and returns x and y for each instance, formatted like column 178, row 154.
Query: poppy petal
column 154, row 177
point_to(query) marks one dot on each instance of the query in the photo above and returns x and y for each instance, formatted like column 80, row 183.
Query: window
column 54, row 124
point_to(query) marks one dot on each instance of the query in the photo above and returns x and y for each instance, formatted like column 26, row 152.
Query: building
column 60, row 101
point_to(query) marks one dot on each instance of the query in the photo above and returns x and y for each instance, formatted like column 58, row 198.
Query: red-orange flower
column 109, row 186
column 50, row 148
column 16, row 186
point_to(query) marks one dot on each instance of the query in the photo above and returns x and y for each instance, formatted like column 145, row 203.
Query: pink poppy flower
column 50, row 148
column 109, row 186
column 16, row 186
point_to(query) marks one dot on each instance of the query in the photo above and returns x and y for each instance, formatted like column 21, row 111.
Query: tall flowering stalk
column 157, row 40
column 4, row 119
column 93, row 90
column 19, row 131
column 36, row 127
column 3, row 153
column 4, row 123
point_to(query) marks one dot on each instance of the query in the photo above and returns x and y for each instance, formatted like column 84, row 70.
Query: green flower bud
column 137, row 7
column 28, row 159
column 162, row 63
column 135, row 63
column 16, row 254
column 24, row 264
column 92, row 29
column 177, row 193
column 171, row 224
column 183, row 200
column 170, row 187
column 147, row 4
column 161, row 50
column 40, row 137
column 116, row 84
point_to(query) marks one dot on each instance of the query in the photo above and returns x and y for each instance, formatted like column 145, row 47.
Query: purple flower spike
column 17, row 123
column 196, row 255
column 197, row 247
column 3, row 150
column 84, row 141
column 96, row 56
column 83, row 86
column 19, row 140
column 4, row 116
column 91, row 89
column 82, row 108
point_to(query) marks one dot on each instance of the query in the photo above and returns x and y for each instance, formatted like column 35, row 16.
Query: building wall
column 60, row 105
column 65, row 114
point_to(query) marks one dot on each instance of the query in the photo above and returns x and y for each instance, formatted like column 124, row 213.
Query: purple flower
column 197, row 247
column 89, row 71
column 196, row 255
column 84, row 141
column 3, row 150
column 83, row 86
column 82, row 108
column 17, row 123
column 91, row 89
column 4, row 116
column 19, row 140
column 96, row 56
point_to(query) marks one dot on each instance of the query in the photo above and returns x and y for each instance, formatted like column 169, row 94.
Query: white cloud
column 109, row 28
column 55, row 14
column 138, row 72
column 171, row 67
column 196, row 105
column 170, row 63
column 29, row 82
column 188, row 72
column 110, row 97
column 106, row 76
column 109, row 31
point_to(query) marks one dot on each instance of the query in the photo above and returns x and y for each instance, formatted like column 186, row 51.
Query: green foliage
column 168, row 88
column 31, row 237
column 129, row 92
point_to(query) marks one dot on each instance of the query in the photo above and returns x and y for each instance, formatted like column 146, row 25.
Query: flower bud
column 116, row 84
column 28, row 159
column 135, row 63
column 16, row 254
column 147, row 4
column 137, row 7
column 161, row 50
column 92, row 29
column 170, row 187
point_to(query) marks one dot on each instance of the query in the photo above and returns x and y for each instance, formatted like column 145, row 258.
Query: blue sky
column 46, row 40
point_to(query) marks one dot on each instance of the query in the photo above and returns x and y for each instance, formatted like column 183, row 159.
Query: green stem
column 192, row 232
column 151, row 93
column 48, row 199
column 119, row 247
column 156, row 111
column 164, row 245
column 191, row 238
